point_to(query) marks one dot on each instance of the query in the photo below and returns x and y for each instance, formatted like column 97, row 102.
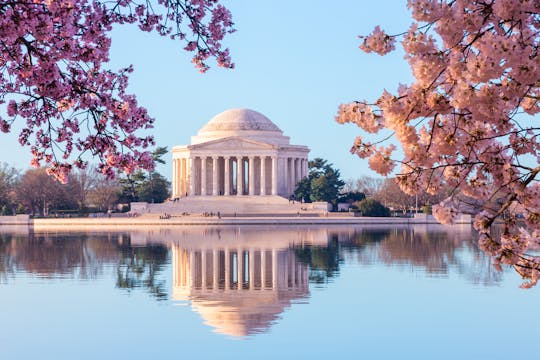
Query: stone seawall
column 15, row 220
column 126, row 222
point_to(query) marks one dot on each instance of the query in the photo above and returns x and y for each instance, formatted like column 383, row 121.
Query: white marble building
column 238, row 152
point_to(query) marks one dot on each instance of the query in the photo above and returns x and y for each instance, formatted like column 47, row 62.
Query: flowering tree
column 467, row 121
column 53, row 78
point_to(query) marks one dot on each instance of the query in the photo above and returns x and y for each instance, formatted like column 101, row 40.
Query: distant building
column 238, row 152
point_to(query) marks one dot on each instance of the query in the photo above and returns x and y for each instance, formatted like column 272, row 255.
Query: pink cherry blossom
column 54, row 78
column 467, row 121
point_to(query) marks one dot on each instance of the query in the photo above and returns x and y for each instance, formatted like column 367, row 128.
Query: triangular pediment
column 232, row 143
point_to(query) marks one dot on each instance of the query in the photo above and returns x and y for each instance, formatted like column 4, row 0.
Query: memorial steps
column 230, row 206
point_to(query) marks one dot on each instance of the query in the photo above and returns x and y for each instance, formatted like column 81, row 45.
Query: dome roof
column 245, row 123
column 238, row 120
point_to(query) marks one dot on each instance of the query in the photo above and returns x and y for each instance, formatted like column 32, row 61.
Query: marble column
column 191, row 168
column 183, row 177
column 175, row 178
column 287, row 176
column 215, row 187
column 184, row 183
column 274, row 176
column 181, row 185
column 203, row 175
column 239, row 176
column 227, row 185
column 251, row 183
column 263, row 175
column 298, row 162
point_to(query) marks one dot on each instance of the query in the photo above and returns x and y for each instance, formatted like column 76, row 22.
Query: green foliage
column 150, row 187
column 370, row 207
column 303, row 190
column 323, row 183
column 21, row 209
column 155, row 189
column 426, row 209
column 5, row 210
column 352, row 196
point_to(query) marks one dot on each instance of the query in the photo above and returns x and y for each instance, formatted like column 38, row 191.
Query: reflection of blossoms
column 463, row 122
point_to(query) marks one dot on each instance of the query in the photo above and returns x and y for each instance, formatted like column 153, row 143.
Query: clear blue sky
column 296, row 61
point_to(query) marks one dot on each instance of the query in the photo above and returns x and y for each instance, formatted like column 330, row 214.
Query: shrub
column 370, row 207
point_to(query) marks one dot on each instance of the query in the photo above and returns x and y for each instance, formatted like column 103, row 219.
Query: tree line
column 369, row 195
column 35, row 192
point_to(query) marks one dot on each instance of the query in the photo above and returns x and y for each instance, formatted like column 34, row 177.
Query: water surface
column 418, row 292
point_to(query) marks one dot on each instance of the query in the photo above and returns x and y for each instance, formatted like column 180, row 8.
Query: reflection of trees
column 138, row 267
column 435, row 251
column 84, row 256
column 323, row 261
column 7, row 267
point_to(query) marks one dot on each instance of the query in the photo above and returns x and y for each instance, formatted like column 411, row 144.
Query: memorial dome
column 238, row 120
column 244, row 123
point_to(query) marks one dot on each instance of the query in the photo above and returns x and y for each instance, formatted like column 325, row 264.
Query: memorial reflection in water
column 238, row 291
column 240, row 279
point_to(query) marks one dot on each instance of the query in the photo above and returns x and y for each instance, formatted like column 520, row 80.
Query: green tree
column 352, row 196
column 323, row 183
column 371, row 207
column 149, row 187
column 5, row 210
column 155, row 189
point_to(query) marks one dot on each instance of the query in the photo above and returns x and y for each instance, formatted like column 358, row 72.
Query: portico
column 239, row 152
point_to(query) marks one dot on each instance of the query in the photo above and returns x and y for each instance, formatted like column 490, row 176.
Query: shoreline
column 192, row 220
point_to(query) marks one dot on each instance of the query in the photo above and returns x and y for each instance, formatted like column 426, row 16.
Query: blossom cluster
column 53, row 78
column 467, row 119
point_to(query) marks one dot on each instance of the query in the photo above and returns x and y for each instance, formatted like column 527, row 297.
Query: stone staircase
column 231, row 206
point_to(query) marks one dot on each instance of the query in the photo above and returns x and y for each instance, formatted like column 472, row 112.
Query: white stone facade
column 238, row 152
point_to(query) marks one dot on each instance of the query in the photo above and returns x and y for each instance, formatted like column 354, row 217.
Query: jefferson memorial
column 238, row 152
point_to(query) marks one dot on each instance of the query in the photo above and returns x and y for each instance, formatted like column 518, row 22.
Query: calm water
column 260, row 292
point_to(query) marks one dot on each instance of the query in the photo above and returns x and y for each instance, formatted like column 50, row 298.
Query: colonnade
column 237, row 269
column 237, row 175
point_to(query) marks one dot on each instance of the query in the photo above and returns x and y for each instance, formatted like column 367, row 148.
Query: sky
column 296, row 61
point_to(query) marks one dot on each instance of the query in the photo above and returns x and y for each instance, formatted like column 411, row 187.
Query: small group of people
column 165, row 216
column 212, row 214
column 175, row 199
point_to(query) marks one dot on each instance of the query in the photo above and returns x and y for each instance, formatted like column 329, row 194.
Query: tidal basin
column 286, row 292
